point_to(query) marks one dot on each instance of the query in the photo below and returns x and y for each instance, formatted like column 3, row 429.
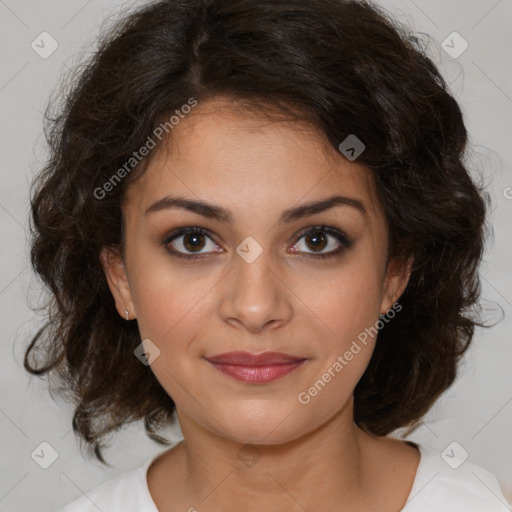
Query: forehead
column 226, row 155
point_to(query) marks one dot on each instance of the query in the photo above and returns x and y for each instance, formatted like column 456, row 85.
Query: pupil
column 195, row 244
column 318, row 240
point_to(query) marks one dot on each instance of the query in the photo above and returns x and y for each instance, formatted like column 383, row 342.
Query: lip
column 248, row 359
column 255, row 368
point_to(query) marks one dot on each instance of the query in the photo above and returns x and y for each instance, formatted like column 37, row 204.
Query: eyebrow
column 218, row 213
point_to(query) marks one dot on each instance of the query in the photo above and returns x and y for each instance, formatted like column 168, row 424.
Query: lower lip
column 257, row 374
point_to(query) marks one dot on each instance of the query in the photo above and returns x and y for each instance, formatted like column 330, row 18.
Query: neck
column 331, row 459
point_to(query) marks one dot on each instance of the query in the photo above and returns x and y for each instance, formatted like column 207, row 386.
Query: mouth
column 256, row 368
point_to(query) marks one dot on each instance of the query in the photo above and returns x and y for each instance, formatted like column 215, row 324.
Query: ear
column 117, row 279
column 398, row 273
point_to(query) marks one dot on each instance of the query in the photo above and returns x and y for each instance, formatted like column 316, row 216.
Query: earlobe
column 117, row 280
column 398, row 274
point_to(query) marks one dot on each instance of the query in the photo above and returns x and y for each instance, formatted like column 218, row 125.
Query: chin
column 271, row 426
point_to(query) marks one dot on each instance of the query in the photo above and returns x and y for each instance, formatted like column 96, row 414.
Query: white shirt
column 437, row 487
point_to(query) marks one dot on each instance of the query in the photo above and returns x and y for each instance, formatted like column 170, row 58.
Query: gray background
column 476, row 412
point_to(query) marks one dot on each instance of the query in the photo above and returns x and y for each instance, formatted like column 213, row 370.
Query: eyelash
column 345, row 241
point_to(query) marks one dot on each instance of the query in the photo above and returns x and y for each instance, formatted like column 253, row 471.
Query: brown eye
column 318, row 238
column 189, row 242
column 193, row 241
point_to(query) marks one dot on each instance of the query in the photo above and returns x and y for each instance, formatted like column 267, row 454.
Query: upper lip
column 248, row 359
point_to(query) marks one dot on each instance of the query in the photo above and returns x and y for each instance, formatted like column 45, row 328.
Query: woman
column 256, row 216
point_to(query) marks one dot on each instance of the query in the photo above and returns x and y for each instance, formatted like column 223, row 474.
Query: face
column 263, row 277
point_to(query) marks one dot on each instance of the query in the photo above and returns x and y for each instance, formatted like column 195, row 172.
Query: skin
column 307, row 456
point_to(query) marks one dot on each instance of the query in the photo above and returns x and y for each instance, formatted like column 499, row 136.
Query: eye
column 190, row 242
column 317, row 239
column 192, row 239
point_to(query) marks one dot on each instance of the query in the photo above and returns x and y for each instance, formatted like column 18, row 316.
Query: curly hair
column 346, row 67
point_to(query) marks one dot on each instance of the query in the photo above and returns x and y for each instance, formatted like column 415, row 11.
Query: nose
column 255, row 296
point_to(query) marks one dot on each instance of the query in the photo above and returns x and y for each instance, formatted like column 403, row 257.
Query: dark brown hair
column 344, row 66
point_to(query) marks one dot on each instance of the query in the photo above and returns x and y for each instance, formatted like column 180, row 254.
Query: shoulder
column 446, row 482
column 125, row 492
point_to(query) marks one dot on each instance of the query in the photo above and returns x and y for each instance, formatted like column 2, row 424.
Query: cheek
column 171, row 312
column 348, row 305
column 347, row 302
column 170, row 302
column 342, row 357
